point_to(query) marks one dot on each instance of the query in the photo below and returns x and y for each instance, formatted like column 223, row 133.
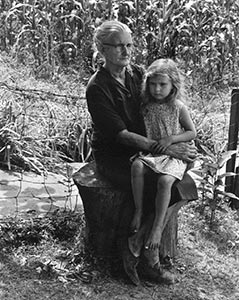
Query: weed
column 212, row 174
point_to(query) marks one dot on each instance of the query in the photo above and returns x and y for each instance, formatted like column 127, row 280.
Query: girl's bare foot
column 136, row 222
column 154, row 239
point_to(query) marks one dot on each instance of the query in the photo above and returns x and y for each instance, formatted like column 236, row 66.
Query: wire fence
column 49, row 131
column 24, row 193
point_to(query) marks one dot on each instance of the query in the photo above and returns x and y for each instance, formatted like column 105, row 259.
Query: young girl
column 167, row 120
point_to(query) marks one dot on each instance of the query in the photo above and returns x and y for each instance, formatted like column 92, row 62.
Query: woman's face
column 117, row 49
column 160, row 86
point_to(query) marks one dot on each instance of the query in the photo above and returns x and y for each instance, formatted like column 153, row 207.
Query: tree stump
column 103, row 207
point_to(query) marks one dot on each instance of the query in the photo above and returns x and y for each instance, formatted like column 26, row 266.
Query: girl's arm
column 188, row 135
column 187, row 123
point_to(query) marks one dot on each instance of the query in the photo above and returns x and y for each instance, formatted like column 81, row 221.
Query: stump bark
column 104, row 206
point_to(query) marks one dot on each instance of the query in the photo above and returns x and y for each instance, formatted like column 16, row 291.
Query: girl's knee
column 137, row 167
column 165, row 181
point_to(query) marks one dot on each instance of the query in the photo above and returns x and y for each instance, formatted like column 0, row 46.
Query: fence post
column 232, row 143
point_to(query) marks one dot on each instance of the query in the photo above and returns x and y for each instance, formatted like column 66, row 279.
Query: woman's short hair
column 105, row 31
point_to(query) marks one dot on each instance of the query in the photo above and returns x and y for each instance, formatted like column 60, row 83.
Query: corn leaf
column 230, row 195
column 225, row 157
column 227, row 174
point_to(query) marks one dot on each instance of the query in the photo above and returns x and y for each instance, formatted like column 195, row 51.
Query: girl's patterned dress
column 162, row 120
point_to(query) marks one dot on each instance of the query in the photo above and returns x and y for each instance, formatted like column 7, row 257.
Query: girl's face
column 160, row 86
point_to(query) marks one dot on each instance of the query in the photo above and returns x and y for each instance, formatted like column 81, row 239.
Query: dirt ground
column 207, row 267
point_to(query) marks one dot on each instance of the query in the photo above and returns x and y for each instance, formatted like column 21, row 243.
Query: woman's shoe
column 156, row 273
column 167, row 262
column 130, row 264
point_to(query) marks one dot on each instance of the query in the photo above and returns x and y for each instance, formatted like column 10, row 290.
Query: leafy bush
column 212, row 176
column 60, row 225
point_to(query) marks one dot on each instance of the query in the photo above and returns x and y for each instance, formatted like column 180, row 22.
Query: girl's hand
column 164, row 143
column 161, row 146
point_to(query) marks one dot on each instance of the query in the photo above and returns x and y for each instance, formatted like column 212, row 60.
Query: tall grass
column 42, row 124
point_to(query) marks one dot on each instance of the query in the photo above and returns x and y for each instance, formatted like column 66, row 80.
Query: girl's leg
column 138, row 170
column 162, row 200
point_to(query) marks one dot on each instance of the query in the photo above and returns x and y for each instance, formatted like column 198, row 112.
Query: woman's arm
column 135, row 140
column 183, row 151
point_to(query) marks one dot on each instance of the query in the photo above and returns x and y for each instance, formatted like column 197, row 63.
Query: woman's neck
column 117, row 72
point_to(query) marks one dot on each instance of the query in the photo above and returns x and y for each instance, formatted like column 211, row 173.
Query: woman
column 113, row 94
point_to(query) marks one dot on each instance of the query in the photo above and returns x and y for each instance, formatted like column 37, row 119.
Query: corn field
column 52, row 35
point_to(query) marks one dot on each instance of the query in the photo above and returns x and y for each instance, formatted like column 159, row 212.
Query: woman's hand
column 155, row 148
column 164, row 143
column 184, row 151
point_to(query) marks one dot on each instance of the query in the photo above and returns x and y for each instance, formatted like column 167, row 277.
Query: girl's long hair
column 164, row 66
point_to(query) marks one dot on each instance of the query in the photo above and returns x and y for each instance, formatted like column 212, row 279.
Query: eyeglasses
column 120, row 47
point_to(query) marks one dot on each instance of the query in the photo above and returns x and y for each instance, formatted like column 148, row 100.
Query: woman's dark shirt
column 114, row 108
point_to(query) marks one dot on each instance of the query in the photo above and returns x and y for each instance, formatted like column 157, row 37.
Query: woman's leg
column 138, row 170
column 116, row 170
column 163, row 196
